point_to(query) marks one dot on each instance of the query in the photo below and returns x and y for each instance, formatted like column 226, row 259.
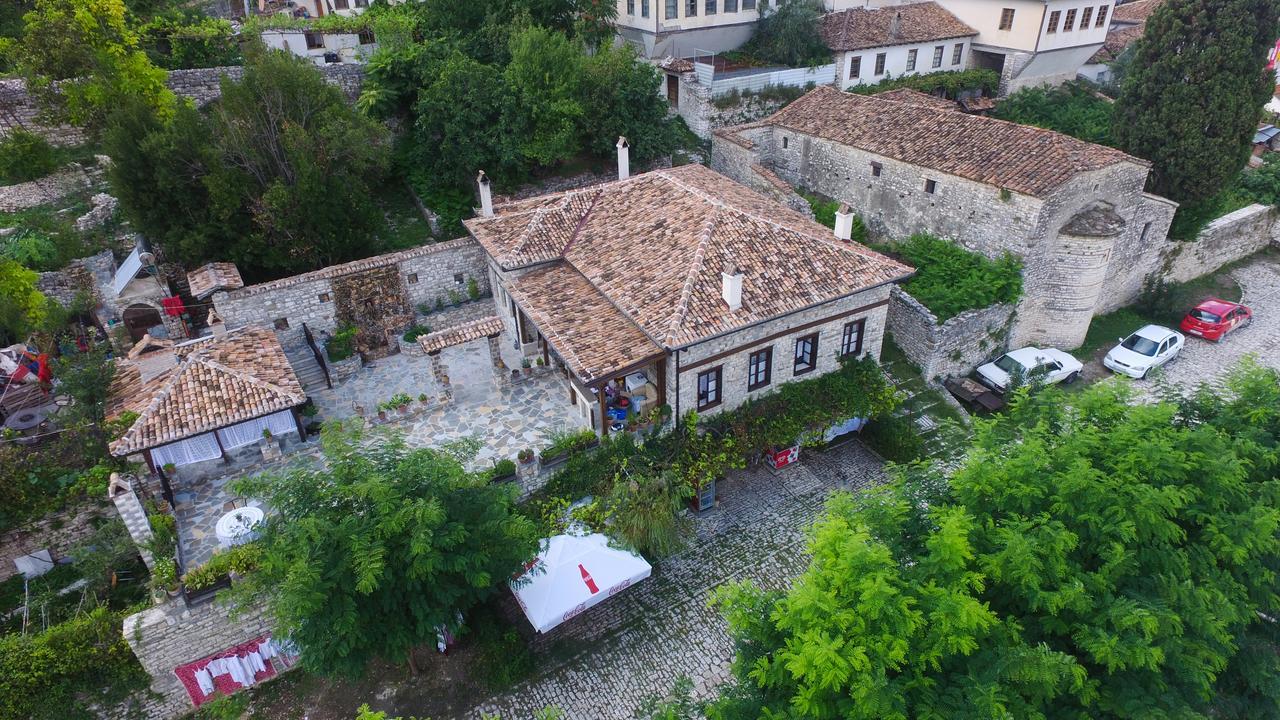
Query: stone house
column 1075, row 213
column 678, row 286
column 872, row 44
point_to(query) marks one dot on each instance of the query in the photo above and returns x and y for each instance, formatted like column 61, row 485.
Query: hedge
column 950, row 280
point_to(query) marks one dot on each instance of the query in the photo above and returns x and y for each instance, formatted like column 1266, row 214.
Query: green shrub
column 789, row 36
column 503, row 468
column 564, row 442
column 241, row 559
column 395, row 401
column 182, row 41
column 60, row 672
column 473, row 288
column 895, row 438
column 25, row 156
column 502, row 658
column 343, row 343
column 415, row 332
column 824, row 211
column 1072, row 109
column 950, row 84
column 950, row 280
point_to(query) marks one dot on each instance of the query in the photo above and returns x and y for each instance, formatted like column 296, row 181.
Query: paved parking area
column 638, row 644
column 1203, row 362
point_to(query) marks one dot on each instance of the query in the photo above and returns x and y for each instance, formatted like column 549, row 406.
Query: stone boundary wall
column 951, row 348
column 168, row 635
column 703, row 117
column 201, row 85
column 427, row 272
column 1223, row 241
column 57, row 532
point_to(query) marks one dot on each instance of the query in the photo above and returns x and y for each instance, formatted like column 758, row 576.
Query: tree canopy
column 282, row 177
column 1090, row 558
column 92, row 54
column 787, row 34
column 22, row 306
column 1189, row 102
column 367, row 555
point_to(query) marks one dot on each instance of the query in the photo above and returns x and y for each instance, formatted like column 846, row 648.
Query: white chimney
column 624, row 158
column 731, row 287
column 895, row 25
column 486, row 195
column 844, row 223
column 214, row 321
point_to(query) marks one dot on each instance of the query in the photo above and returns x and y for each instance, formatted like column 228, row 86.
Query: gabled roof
column 915, row 97
column 1134, row 12
column 863, row 28
column 654, row 246
column 215, row 382
column 1117, row 41
column 1021, row 158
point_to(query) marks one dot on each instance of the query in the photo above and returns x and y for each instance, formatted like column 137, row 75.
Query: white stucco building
column 871, row 45
column 685, row 28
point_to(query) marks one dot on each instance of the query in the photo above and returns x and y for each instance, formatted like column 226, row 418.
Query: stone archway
column 139, row 318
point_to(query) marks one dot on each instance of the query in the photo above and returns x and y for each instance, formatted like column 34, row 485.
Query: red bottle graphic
column 586, row 578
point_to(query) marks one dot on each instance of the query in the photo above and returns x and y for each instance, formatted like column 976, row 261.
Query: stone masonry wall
column 951, row 348
column 57, row 532
column 747, row 340
column 703, row 116
column 1223, row 241
column 169, row 635
column 428, row 272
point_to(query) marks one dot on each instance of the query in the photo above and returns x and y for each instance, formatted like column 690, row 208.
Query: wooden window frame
column 855, row 67
column 812, row 340
column 1069, row 21
column 881, row 60
column 705, row 402
column 1052, row 27
column 957, row 54
column 938, row 50
column 931, row 186
column 673, row 9
column 1086, row 17
column 1102, row 15
column 912, row 54
column 847, row 336
column 752, row 366
column 1006, row 18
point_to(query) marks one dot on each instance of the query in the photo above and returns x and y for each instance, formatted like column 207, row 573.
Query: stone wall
column 169, row 635
column 703, row 116
column 951, row 348
column 428, row 273
column 1223, row 241
column 57, row 532
column 827, row 320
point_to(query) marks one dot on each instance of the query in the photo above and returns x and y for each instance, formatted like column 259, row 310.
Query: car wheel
column 1071, row 378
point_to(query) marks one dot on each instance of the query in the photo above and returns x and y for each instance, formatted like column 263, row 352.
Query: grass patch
column 405, row 225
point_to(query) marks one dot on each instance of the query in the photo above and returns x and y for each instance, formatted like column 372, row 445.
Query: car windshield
column 1140, row 345
column 1204, row 316
column 1009, row 365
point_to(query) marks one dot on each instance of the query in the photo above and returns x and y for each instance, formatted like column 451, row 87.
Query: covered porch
column 614, row 372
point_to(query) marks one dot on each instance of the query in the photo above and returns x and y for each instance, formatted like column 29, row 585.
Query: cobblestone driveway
column 1202, row 361
column 640, row 642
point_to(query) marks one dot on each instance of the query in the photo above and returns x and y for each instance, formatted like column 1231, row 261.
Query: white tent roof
column 573, row 573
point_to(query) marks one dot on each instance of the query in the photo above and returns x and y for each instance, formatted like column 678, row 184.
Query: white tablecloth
column 237, row 526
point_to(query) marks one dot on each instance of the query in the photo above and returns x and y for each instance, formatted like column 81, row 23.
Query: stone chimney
column 844, row 223
column 895, row 25
column 624, row 158
column 214, row 321
column 731, row 286
column 486, row 195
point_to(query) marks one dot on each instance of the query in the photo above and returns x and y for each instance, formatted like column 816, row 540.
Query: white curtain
column 185, row 452
column 250, row 431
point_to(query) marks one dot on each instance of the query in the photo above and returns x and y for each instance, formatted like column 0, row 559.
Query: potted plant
column 266, row 434
column 503, row 470
column 382, row 415
column 422, row 398
column 169, row 469
column 164, row 576
column 541, row 363
column 525, row 456
column 525, row 367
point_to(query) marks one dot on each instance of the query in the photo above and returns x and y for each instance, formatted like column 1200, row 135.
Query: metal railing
column 315, row 349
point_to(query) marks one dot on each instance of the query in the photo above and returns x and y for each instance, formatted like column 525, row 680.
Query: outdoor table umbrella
column 573, row 573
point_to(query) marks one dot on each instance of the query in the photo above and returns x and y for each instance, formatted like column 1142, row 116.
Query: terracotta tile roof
column 915, row 97
column 1021, row 158
column 207, row 279
column 459, row 334
column 675, row 64
column 593, row 337
column 655, row 244
column 1135, row 12
column 918, row 22
column 1118, row 40
column 216, row 381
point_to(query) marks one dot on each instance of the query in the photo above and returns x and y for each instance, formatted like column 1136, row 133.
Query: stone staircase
column 306, row 368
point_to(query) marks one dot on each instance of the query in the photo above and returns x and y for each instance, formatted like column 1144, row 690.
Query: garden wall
column 167, row 636
column 427, row 273
column 703, row 116
column 57, row 532
column 951, row 348
column 1223, row 241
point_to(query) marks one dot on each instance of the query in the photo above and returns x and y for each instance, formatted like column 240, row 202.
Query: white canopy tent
column 573, row 573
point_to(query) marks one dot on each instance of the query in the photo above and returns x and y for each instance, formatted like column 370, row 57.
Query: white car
column 1042, row 364
column 1148, row 348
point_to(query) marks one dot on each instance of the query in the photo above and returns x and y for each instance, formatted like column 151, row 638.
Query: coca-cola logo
column 581, row 608
column 619, row 587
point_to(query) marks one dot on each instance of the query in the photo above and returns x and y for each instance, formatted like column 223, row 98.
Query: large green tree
column 787, row 34
column 22, row 306
column 1091, row 558
column 82, row 59
column 1190, row 100
column 620, row 97
column 365, row 556
column 543, row 78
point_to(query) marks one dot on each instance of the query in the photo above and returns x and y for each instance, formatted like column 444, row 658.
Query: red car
column 1214, row 318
